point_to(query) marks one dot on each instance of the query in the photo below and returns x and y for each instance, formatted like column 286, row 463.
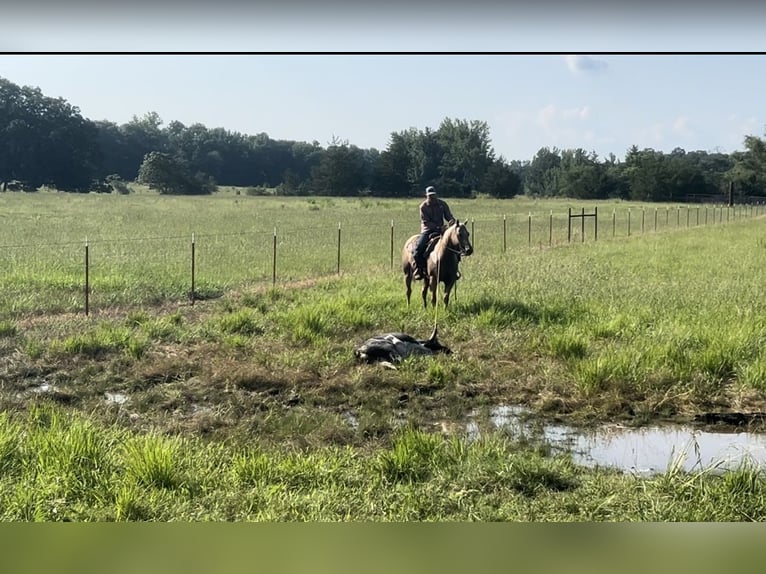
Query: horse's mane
column 454, row 227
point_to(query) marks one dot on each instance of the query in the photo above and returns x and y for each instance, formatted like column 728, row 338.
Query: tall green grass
column 57, row 466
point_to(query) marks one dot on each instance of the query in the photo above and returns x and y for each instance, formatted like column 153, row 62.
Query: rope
column 436, row 289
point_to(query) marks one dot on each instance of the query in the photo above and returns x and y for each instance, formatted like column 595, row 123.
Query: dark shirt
column 433, row 216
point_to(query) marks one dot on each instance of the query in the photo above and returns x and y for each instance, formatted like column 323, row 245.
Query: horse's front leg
column 434, row 289
column 426, row 285
column 447, row 291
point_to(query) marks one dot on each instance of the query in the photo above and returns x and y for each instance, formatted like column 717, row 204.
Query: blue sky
column 601, row 102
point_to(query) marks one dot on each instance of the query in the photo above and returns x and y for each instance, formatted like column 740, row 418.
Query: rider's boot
column 419, row 271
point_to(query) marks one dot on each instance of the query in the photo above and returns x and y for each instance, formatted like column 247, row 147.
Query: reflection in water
column 643, row 451
column 117, row 398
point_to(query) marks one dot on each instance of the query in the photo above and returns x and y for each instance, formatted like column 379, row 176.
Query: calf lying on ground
column 394, row 347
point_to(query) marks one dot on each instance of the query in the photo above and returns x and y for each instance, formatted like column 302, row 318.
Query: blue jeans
column 420, row 248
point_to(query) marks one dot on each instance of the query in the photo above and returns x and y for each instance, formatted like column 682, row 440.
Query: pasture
column 257, row 386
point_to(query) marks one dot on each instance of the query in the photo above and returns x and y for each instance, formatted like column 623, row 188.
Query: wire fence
column 102, row 273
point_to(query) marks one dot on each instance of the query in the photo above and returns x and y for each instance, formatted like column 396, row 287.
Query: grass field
column 140, row 246
column 254, row 389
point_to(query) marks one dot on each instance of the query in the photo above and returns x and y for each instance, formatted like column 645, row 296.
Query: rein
column 439, row 254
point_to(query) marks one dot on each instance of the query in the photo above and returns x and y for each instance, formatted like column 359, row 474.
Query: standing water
column 643, row 451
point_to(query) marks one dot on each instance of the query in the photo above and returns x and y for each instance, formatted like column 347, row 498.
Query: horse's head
column 460, row 238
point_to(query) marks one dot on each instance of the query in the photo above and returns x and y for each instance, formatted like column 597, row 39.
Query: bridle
column 462, row 251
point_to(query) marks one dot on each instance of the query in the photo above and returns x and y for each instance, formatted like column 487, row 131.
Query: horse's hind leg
column 425, row 292
column 408, row 284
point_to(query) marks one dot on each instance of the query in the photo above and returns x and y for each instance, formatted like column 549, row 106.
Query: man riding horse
column 433, row 213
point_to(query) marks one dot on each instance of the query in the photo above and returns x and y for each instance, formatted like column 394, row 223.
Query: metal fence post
column 595, row 224
column 274, row 261
column 392, row 244
column 192, row 295
column 505, row 233
column 529, row 230
column 550, row 229
column 87, row 278
column 338, row 268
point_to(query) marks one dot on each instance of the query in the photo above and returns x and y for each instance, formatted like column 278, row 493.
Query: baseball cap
column 430, row 190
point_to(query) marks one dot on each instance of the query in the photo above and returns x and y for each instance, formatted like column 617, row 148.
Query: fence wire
column 52, row 277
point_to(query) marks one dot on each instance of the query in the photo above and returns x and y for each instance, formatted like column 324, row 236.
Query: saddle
column 433, row 239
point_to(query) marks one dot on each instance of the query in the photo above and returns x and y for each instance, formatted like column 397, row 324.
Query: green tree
column 168, row 175
column 466, row 154
column 542, row 174
column 748, row 172
column 45, row 140
column 581, row 176
column 341, row 171
column 501, row 180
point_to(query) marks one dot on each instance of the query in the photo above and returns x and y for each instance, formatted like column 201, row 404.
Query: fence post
column 614, row 222
column 529, row 230
column 274, row 261
column 595, row 224
column 392, row 244
column 629, row 222
column 87, row 278
column 655, row 220
column 569, row 226
column 550, row 229
column 643, row 216
column 338, row 268
column 505, row 233
column 473, row 236
column 582, row 225
column 192, row 270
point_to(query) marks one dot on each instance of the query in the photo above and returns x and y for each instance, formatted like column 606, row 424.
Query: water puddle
column 351, row 419
column 201, row 409
column 117, row 398
column 643, row 451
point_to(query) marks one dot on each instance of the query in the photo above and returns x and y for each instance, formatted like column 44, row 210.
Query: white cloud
column 738, row 128
column 552, row 118
column 546, row 117
column 681, row 127
column 584, row 64
column 651, row 136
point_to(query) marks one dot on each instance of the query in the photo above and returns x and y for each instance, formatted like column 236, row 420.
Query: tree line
column 45, row 141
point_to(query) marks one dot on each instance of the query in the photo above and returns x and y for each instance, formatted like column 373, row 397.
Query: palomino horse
column 442, row 262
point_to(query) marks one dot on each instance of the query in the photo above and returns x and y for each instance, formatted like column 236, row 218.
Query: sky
column 598, row 76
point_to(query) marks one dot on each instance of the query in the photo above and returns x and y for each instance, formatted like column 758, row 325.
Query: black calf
column 395, row 347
